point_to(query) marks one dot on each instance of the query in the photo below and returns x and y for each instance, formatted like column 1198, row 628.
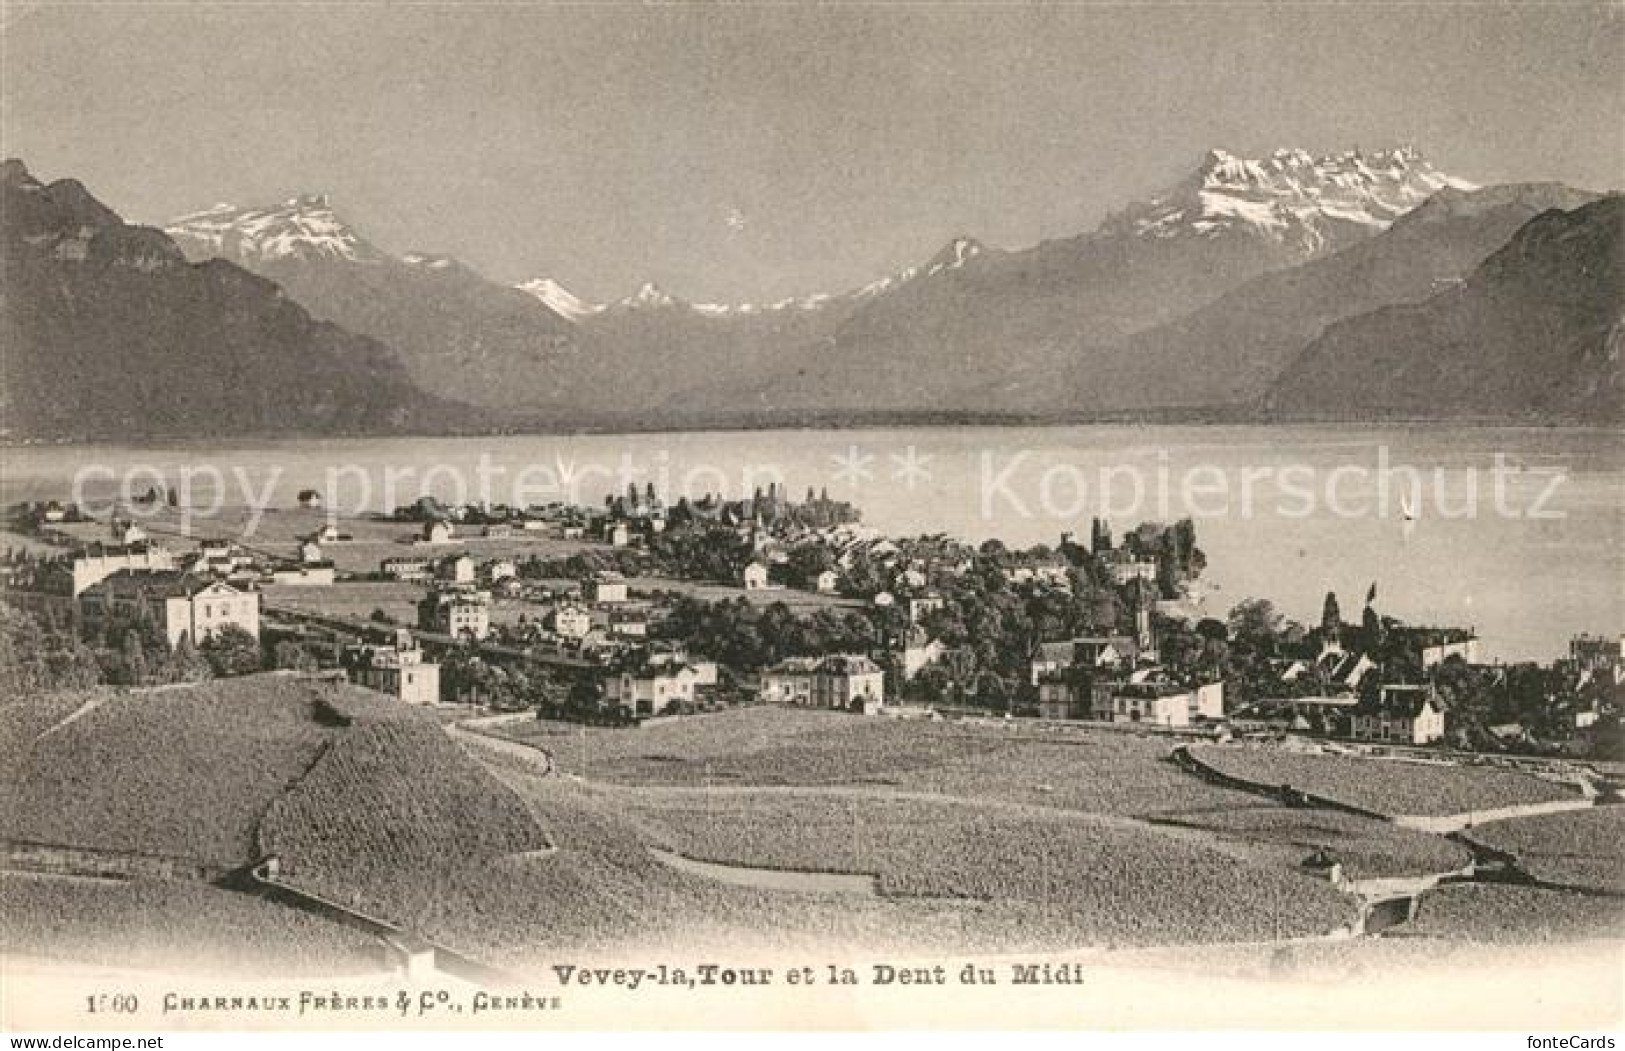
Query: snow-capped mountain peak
column 301, row 227
column 429, row 261
column 560, row 299
column 1288, row 196
column 647, row 297
column 954, row 255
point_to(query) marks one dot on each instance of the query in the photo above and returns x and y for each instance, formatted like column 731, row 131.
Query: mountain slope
column 109, row 331
column 1228, row 352
column 457, row 333
column 1535, row 332
column 954, row 344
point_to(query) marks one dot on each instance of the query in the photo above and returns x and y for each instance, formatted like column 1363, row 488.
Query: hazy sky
column 751, row 152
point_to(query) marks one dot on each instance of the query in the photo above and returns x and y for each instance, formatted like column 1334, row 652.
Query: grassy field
column 1582, row 848
column 356, row 600
column 1382, row 785
column 183, row 927
column 183, row 771
column 352, row 600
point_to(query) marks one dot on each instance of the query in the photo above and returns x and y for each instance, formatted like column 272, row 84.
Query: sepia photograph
column 540, row 517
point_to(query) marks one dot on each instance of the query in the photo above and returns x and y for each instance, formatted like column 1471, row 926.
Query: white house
column 437, row 531
column 840, row 681
column 755, row 577
column 179, row 603
column 460, row 613
column 457, row 569
column 398, row 670
column 305, row 574
column 571, row 622
column 650, row 690
column 827, row 583
column 606, row 588
column 1404, row 714
column 1466, row 648
column 1152, row 703
column 920, row 651
column 406, row 568
column 96, row 563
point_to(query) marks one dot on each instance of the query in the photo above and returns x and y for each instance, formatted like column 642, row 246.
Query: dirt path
column 798, row 881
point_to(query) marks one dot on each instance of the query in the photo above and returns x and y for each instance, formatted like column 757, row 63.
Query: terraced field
column 1103, row 773
column 605, row 894
column 188, row 927
column 1385, row 786
column 127, row 775
column 1104, row 878
column 1505, row 914
column 1582, row 848
column 397, row 821
column 1368, row 849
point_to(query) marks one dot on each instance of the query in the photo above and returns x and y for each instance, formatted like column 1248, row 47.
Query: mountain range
column 1217, row 296
column 109, row 332
column 1535, row 333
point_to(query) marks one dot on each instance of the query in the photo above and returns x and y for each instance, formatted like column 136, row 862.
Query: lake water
column 1514, row 531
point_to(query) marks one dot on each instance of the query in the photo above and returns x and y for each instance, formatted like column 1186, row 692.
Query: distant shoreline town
column 637, row 608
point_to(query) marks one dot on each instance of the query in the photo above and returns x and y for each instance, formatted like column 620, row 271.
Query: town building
column 570, row 622
column 437, row 531
column 1436, row 653
column 97, row 562
column 920, row 651
column 921, row 605
column 180, row 604
column 1153, row 703
column 456, row 569
column 843, row 682
column 126, row 532
column 406, row 568
column 305, row 574
column 459, row 612
column 651, row 689
column 605, row 588
column 1403, row 714
column 790, row 681
column 398, row 670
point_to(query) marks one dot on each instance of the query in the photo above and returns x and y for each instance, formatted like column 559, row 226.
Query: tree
column 1331, row 618
column 290, row 655
column 133, row 659
column 185, row 663
column 1254, row 620
column 232, row 651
